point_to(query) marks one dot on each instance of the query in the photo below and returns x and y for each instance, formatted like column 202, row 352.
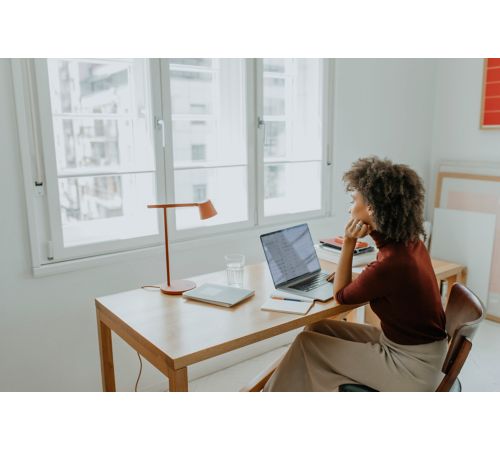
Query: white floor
column 481, row 372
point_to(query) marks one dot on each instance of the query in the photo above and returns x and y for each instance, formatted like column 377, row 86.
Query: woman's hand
column 356, row 229
column 353, row 230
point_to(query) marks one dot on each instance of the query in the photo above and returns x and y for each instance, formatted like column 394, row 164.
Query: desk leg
column 106, row 352
column 462, row 277
column 178, row 381
column 449, row 281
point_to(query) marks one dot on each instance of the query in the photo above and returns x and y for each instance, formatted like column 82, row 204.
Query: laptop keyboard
column 311, row 283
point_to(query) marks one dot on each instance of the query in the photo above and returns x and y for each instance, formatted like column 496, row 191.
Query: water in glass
column 234, row 269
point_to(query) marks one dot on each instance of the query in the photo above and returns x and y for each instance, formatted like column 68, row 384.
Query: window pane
column 193, row 134
column 199, row 192
column 291, row 188
column 198, row 152
column 274, row 65
column 88, row 143
column 292, row 91
column 204, row 62
column 96, row 209
column 274, row 181
column 90, row 87
column 295, row 95
column 226, row 187
column 275, row 139
column 306, row 109
column 208, row 108
column 208, row 127
column 102, row 124
column 90, row 198
column 192, row 92
column 115, row 144
column 274, row 98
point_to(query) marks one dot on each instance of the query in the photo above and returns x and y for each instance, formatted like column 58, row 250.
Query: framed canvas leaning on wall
column 476, row 189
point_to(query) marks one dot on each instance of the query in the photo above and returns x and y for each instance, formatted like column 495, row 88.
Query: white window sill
column 204, row 242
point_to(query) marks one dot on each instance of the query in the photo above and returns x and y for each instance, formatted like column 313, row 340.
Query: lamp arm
column 173, row 205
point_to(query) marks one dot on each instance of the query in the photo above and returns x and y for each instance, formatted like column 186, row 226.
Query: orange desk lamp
column 176, row 287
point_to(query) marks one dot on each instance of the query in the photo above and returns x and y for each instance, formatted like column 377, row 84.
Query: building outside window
column 198, row 152
column 209, row 124
column 104, row 155
column 199, row 192
column 274, row 183
column 100, row 130
column 293, row 118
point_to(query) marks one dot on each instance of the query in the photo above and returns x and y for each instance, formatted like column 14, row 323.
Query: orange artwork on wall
column 490, row 107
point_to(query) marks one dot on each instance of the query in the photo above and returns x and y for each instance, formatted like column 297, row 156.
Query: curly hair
column 395, row 193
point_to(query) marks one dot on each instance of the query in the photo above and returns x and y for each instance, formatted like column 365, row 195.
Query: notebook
column 278, row 293
column 287, row 306
column 218, row 294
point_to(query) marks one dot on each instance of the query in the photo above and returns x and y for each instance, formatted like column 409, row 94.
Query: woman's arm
column 343, row 276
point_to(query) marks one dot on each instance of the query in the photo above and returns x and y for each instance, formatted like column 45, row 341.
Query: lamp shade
column 207, row 210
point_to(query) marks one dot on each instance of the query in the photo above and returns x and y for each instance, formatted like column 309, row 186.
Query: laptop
column 219, row 294
column 293, row 263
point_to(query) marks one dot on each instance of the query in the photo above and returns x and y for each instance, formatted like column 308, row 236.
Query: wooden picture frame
column 493, row 309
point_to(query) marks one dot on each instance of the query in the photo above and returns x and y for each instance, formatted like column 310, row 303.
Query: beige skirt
column 332, row 352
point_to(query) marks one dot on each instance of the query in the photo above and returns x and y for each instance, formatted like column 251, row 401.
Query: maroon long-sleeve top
column 402, row 289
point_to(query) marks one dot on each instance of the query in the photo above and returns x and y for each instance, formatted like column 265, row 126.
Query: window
column 293, row 136
column 208, row 107
column 246, row 134
column 273, row 185
column 100, row 163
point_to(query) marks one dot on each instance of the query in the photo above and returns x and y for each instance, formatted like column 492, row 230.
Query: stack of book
column 330, row 248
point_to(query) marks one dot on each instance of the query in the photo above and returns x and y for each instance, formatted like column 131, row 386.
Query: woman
column 408, row 352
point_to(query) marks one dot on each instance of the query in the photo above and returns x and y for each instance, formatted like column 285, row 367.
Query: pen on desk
column 290, row 299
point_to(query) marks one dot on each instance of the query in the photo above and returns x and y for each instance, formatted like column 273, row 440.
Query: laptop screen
column 290, row 253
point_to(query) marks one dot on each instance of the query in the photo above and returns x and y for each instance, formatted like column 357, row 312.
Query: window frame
column 36, row 133
column 52, row 247
column 200, row 232
column 326, row 144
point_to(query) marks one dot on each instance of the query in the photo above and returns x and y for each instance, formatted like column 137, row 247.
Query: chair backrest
column 464, row 313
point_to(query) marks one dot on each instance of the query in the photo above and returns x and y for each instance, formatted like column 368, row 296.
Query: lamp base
column 177, row 287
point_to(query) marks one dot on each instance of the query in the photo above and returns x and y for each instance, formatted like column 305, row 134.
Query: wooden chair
column 464, row 313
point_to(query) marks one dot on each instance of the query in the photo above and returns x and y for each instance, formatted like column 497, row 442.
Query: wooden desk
column 172, row 332
column 449, row 271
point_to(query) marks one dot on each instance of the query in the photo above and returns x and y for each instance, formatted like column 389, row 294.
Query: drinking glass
column 235, row 263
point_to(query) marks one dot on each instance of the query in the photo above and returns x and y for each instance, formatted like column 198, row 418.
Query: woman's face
column 360, row 210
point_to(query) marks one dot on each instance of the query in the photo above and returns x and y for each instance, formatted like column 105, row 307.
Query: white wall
column 383, row 107
column 48, row 339
column 456, row 133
